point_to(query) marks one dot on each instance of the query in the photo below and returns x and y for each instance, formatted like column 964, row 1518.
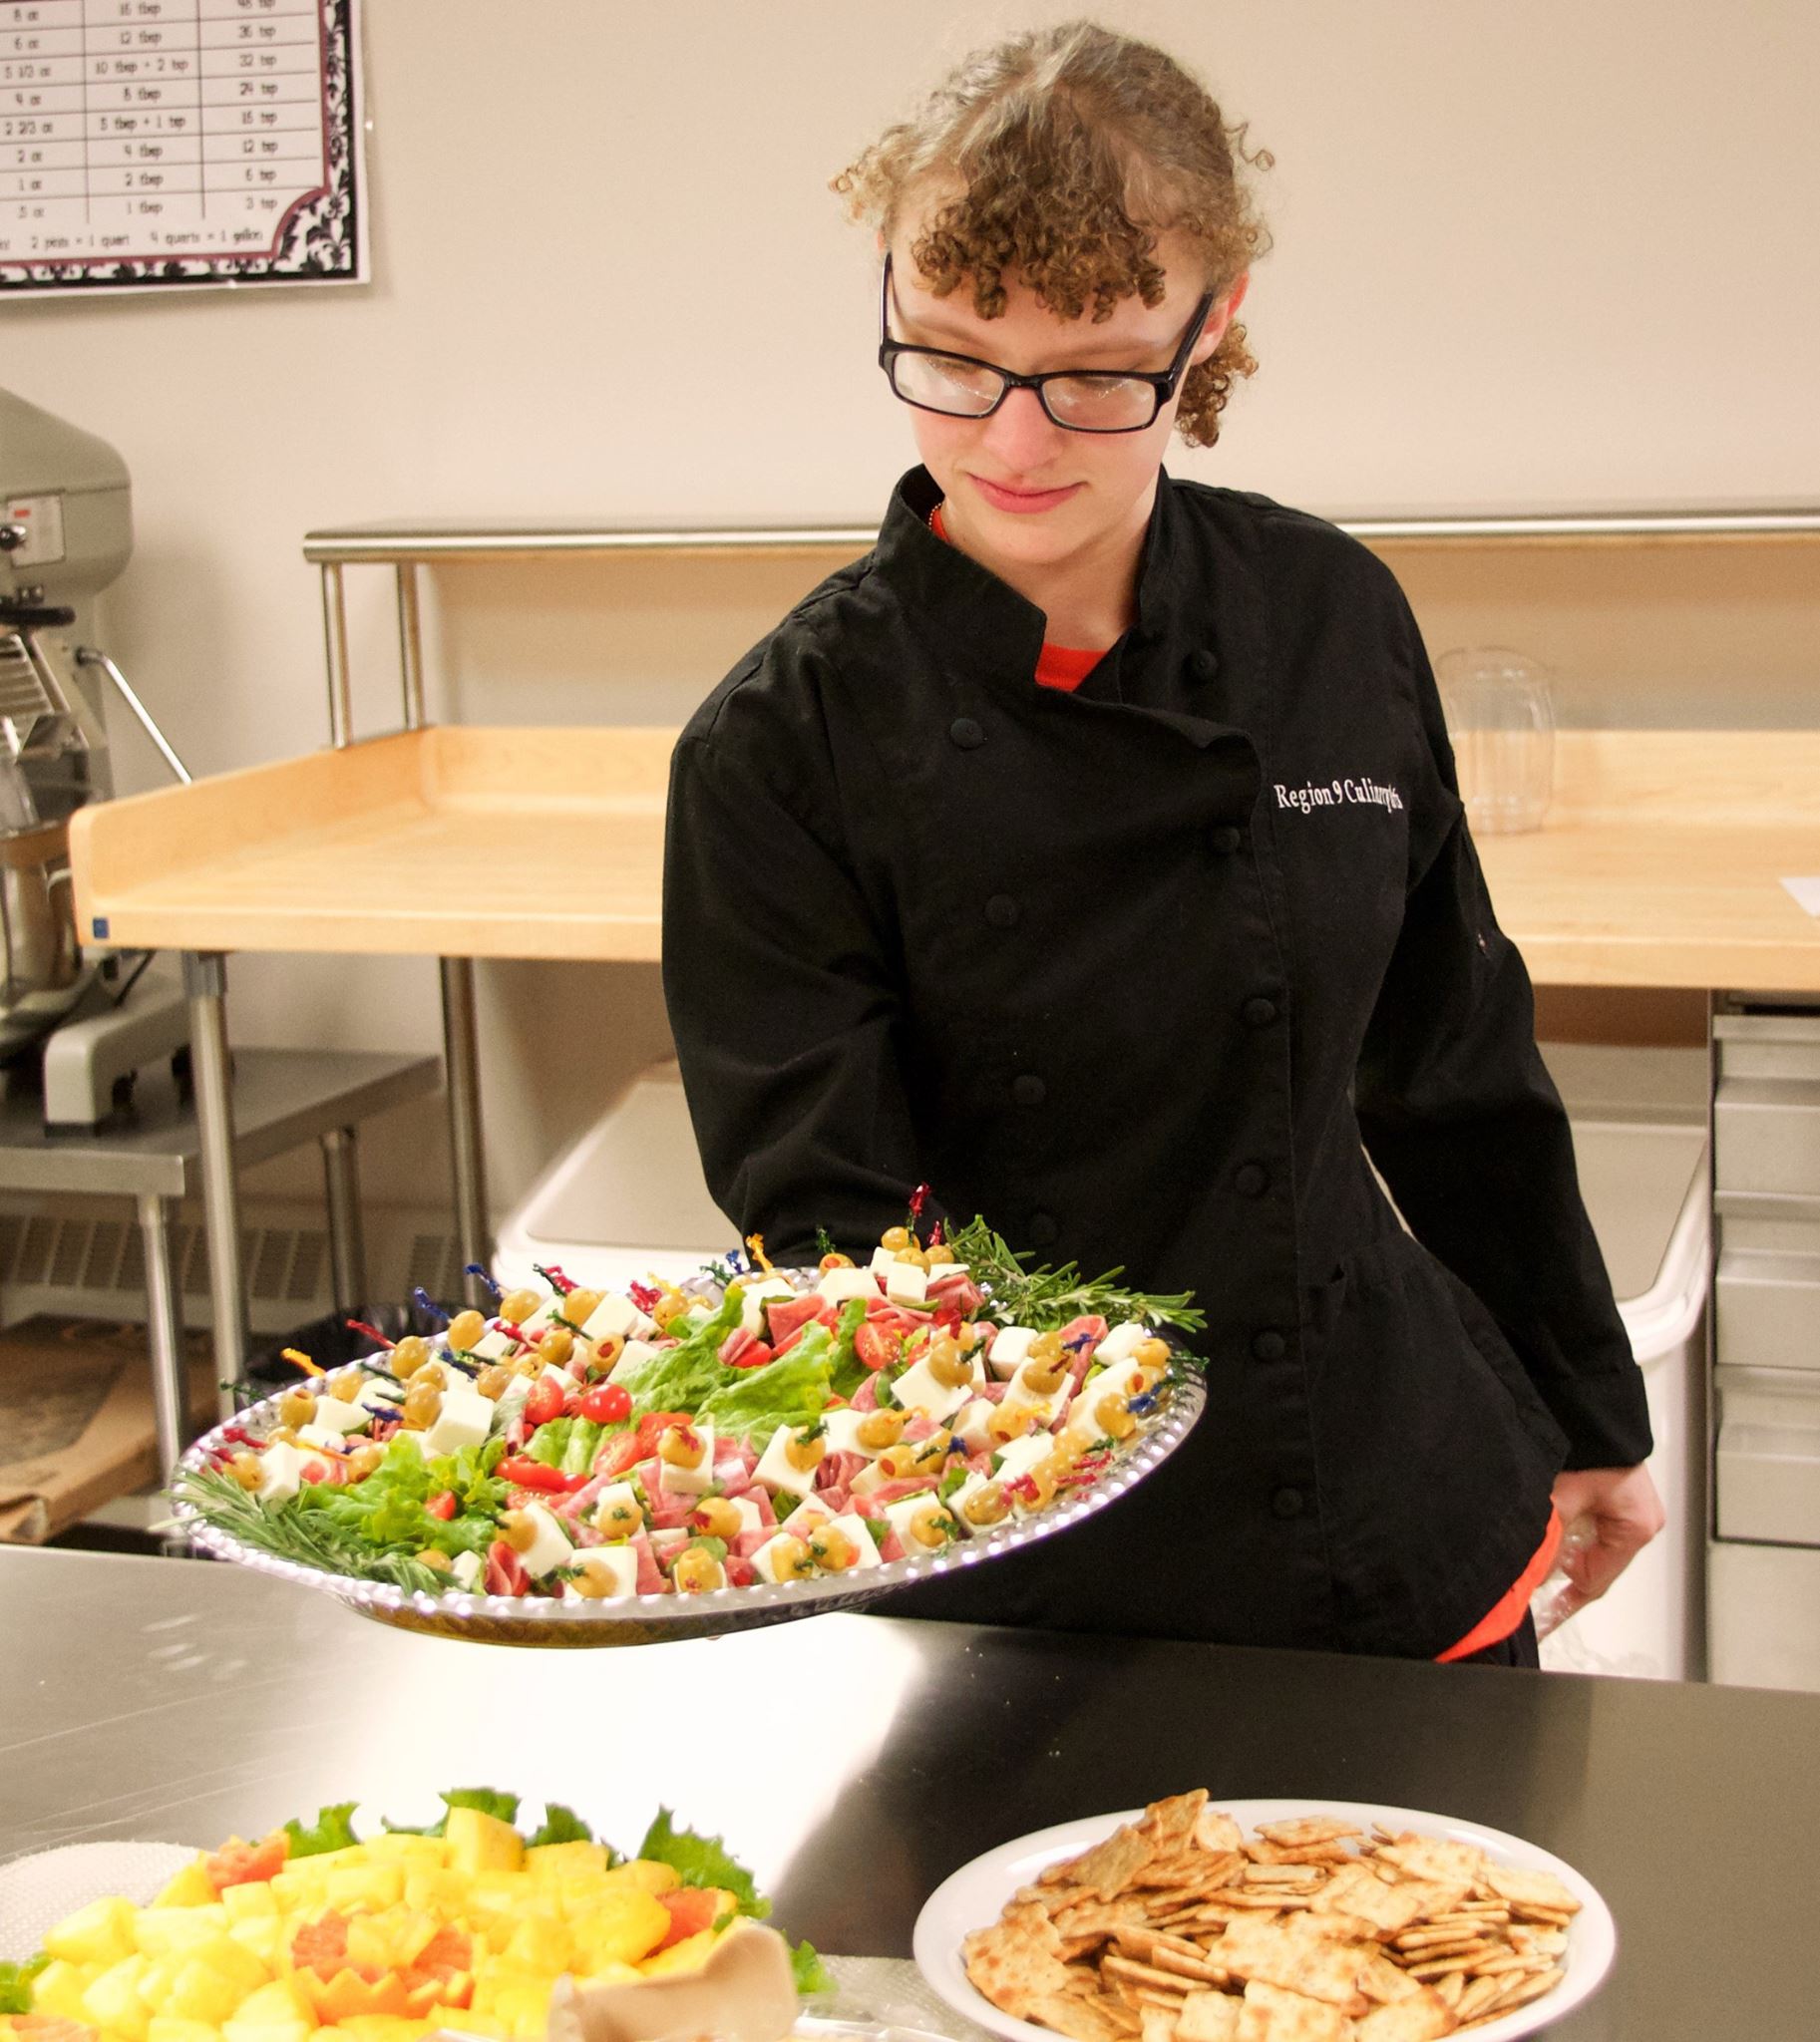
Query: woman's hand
column 1624, row 1512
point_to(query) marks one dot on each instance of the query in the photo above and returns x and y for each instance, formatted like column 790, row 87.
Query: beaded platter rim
column 653, row 1619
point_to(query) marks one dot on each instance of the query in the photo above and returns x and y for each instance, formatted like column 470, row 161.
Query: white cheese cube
column 807, row 1516
column 337, row 1415
column 464, row 1421
column 690, row 1481
column 900, row 1515
column 838, row 1285
column 618, row 1563
column 633, row 1357
column 939, row 1273
column 958, row 1501
column 1044, row 1406
column 905, row 1283
column 763, row 1561
column 321, row 1436
column 616, row 1314
column 377, row 1394
column 1122, row 1342
column 854, row 1525
column 775, row 1472
column 493, row 1345
column 550, row 1373
column 917, row 1390
column 752, row 1302
column 545, row 1315
column 280, row 1473
column 842, row 1433
column 467, row 1570
column 1017, row 1457
column 550, row 1548
column 511, row 1400
column 1010, row 1347
column 1126, row 1377
column 618, row 1497
column 969, row 1427
column 883, row 1260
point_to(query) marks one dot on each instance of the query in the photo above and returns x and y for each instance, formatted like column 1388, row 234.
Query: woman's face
column 1018, row 488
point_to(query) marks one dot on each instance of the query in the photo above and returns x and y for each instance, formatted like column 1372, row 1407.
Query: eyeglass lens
column 963, row 389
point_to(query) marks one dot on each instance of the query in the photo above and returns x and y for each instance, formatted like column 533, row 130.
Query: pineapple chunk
column 212, row 1981
column 280, row 2001
column 620, row 1927
column 383, row 2028
column 113, row 2000
column 564, row 1861
column 482, row 1843
column 166, row 2028
column 100, row 1933
column 191, row 1888
column 253, row 1898
column 437, row 1891
column 172, row 1931
column 688, row 1956
column 267, row 1937
column 366, row 1885
column 644, row 1875
column 396, row 1846
column 59, row 1987
column 541, row 1947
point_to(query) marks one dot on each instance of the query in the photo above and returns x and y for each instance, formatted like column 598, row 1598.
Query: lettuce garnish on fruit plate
column 316, row 1934
column 749, row 1426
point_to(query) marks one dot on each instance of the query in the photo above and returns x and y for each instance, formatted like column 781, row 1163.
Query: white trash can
column 1642, row 1152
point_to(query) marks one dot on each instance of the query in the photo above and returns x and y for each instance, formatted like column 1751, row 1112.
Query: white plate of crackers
column 1265, row 1921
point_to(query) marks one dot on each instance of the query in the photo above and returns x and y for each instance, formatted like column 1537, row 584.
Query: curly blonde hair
column 1075, row 150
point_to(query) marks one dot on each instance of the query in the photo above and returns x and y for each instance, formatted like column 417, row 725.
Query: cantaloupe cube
column 564, row 1861
column 100, row 1933
column 59, row 1987
column 191, row 1888
column 113, row 2000
column 482, row 1843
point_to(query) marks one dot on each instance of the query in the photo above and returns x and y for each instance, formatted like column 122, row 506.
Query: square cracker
column 1016, row 1960
column 1524, row 1888
column 1079, row 2019
column 1439, row 1858
column 1263, row 1952
column 1110, row 1867
column 1208, row 2018
column 1421, row 2018
column 1308, row 1829
column 1217, row 1831
column 1172, row 1821
column 1270, row 2014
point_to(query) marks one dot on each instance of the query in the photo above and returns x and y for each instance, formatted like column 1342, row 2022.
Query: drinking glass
column 1500, row 718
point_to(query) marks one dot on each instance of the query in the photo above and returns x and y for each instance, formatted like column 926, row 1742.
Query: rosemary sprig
column 290, row 1533
column 1045, row 1299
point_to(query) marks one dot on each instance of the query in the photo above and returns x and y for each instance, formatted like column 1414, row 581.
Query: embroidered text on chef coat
column 1337, row 793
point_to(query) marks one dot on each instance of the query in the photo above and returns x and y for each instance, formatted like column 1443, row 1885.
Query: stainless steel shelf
column 409, row 542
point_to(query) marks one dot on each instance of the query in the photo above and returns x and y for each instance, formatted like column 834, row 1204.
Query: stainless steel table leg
column 462, row 1072
column 166, row 1328
column 206, row 981
column 347, row 1241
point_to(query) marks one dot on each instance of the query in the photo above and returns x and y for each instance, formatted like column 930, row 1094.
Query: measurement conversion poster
column 150, row 144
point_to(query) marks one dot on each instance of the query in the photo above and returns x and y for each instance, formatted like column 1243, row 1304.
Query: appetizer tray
column 770, row 1445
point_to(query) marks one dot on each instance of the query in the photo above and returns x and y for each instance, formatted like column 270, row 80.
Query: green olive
column 696, row 1572
column 879, row 1429
column 895, row 1238
column 518, row 1306
column 791, row 1559
column 408, row 1356
column 296, row 1407
column 556, row 1346
column 465, row 1329
column 245, row 1469
column 834, row 1551
column 581, row 1305
column 422, row 1406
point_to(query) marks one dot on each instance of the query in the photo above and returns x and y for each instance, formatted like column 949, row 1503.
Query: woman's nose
column 1021, row 434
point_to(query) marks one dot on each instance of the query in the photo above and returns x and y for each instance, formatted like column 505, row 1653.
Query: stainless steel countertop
column 854, row 1762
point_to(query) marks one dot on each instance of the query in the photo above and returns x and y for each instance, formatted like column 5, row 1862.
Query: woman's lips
column 1003, row 499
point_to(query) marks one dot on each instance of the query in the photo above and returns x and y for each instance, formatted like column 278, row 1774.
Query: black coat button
column 1029, row 1089
column 1259, row 1012
column 1002, row 911
column 1042, row 1230
column 1224, row 840
column 967, row 734
column 1269, row 1345
column 1250, row 1180
column 1204, row 664
column 1287, row 1502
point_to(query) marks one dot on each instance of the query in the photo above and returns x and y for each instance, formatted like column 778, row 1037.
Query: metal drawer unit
column 1767, row 1343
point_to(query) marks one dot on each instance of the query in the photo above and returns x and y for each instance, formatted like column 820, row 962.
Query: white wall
column 1526, row 255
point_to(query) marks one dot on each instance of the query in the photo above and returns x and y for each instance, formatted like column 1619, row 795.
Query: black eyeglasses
column 1079, row 400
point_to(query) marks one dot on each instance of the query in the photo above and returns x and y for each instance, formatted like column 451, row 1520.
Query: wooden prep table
column 1659, row 866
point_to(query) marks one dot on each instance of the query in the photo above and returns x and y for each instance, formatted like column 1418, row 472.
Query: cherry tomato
column 238, row 1864
column 607, row 1404
column 442, row 1505
column 877, row 1346
column 544, row 1403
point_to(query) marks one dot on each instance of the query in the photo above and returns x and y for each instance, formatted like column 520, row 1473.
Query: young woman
column 1091, row 851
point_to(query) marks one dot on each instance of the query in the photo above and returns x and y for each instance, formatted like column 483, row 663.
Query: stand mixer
column 65, row 533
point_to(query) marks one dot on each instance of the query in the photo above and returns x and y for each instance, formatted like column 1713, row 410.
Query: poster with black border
column 167, row 144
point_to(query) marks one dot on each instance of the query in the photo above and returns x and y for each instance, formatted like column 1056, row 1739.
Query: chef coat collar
column 981, row 623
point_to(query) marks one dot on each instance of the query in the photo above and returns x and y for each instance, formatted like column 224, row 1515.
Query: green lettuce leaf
column 678, row 1377
column 550, row 1441
column 793, row 1390
column 504, row 1806
column 846, row 1371
column 810, row 1973
column 16, row 1984
column 387, row 1510
column 561, row 1826
column 702, row 1862
column 331, row 1830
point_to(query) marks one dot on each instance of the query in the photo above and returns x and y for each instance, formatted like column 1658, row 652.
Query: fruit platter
column 581, row 1467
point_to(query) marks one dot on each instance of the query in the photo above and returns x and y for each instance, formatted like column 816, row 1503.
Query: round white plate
column 975, row 1896
column 36, row 1893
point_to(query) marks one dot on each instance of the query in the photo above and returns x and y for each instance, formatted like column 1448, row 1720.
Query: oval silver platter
column 657, row 1619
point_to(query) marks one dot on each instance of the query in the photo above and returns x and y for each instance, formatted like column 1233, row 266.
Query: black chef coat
column 1153, row 973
